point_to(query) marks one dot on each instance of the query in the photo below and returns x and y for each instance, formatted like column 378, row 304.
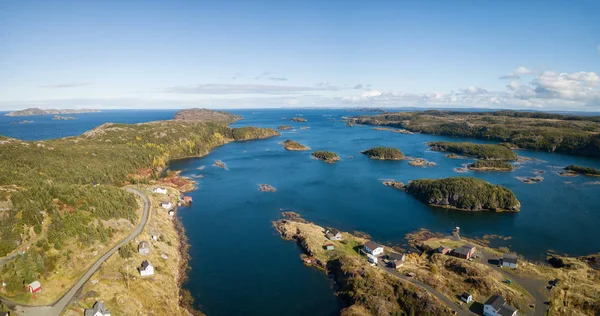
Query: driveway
column 536, row 288
column 448, row 302
column 57, row 307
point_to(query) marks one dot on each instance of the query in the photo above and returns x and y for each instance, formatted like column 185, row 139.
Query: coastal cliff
column 461, row 193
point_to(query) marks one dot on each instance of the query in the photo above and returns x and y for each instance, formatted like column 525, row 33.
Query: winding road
column 449, row 303
column 59, row 305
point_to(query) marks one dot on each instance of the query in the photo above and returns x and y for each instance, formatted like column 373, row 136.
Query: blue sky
column 242, row 54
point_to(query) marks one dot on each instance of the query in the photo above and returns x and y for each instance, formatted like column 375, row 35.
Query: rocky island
column 284, row 128
column 588, row 171
column 420, row 162
column 326, row 156
column 491, row 165
column 298, row 119
column 266, row 188
column 463, row 193
column 38, row 111
column 384, row 153
column 394, row 184
column 206, row 115
column 292, row 145
column 480, row 151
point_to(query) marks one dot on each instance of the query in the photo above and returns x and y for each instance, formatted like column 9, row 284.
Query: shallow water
column 240, row 266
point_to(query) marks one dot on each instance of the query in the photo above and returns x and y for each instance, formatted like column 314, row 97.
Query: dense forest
column 583, row 170
column 384, row 153
column 470, row 194
column 481, row 151
column 70, row 185
column 577, row 135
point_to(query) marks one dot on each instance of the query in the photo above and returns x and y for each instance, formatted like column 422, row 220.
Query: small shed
column 166, row 204
column 329, row 247
column 444, row 250
column 466, row 297
column 144, row 248
column 509, row 260
column 34, row 287
column 396, row 260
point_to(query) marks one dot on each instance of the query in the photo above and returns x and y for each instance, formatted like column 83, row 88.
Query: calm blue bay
column 239, row 264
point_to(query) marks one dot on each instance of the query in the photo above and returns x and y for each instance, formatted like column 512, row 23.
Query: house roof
column 146, row 264
column 510, row 258
column 462, row 250
column 98, row 307
column 395, row 256
column 444, row 247
column 507, row 310
column 372, row 245
column 468, row 246
column 35, row 284
column 496, row 301
column 334, row 231
column 465, row 295
column 143, row 245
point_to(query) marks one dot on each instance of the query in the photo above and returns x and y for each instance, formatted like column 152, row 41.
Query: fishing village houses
column 146, row 269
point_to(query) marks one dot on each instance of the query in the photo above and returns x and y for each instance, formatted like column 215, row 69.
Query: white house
column 97, row 310
column 510, row 261
column 333, row 234
column 171, row 213
column 159, row 190
column 497, row 306
column 373, row 248
column 146, row 269
column 166, row 205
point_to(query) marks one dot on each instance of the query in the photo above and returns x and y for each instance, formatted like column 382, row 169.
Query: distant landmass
column 206, row 115
column 38, row 111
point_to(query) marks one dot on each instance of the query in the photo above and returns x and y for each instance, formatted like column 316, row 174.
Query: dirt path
column 57, row 307
column 448, row 302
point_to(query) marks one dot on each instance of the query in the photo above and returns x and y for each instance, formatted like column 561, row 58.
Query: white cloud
column 548, row 90
column 517, row 73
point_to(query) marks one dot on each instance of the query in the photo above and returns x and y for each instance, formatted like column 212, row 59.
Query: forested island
column 292, row 145
column 481, row 151
column 326, row 156
column 491, row 165
column 589, row 171
column 384, row 153
column 38, row 111
column 462, row 193
column 64, row 196
column 569, row 134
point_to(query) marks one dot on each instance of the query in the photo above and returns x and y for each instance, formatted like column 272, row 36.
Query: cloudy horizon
column 110, row 55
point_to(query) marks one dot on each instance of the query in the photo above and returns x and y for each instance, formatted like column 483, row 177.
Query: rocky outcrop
column 292, row 145
column 298, row 119
column 394, row 184
column 266, row 188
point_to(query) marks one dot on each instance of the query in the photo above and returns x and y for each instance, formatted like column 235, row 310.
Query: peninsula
column 588, row 171
column 65, row 220
column 292, row 145
column 463, row 193
column 481, row 151
column 569, row 134
column 384, row 153
column 38, row 111
column 326, row 156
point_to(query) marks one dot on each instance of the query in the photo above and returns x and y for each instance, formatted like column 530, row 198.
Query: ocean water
column 240, row 265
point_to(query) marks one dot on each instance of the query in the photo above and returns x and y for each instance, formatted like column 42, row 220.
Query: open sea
column 240, row 265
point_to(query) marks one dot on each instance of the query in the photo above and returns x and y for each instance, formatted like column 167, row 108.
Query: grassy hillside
column 66, row 192
column 577, row 135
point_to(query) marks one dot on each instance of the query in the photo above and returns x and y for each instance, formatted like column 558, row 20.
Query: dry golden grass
column 119, row 284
